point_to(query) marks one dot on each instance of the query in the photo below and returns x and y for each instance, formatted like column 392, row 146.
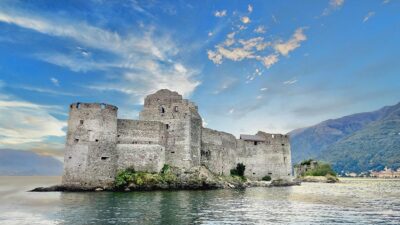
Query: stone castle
column 169, row 131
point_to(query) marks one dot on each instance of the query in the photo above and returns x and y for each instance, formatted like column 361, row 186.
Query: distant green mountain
column 355, row 143
column 27, row 163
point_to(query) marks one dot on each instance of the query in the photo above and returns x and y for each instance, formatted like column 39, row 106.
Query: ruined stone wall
column 271, row 157
column 182, row 122
column 141, row 145
column 218, row 151
column 90, row 153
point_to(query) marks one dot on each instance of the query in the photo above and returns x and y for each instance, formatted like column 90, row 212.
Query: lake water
column 354, row 201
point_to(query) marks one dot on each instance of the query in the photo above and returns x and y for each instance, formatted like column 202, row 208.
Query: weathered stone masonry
column 169, row 131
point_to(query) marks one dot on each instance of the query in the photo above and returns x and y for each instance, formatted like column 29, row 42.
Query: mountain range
column 28, row 163
column 354, row 143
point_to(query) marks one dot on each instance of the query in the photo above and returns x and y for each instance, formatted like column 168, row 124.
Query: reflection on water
column 356, row 201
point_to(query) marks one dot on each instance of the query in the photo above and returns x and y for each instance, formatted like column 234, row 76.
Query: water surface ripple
column 354, row 201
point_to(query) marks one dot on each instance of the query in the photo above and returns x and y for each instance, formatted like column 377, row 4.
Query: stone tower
column 183, row 123
column 90, row 151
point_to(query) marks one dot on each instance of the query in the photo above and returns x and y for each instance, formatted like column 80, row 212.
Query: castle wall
column 169, row 132
column 90, row 155
column 218, row 151
column 182, row 122
column 271, row 157
column 141, row 145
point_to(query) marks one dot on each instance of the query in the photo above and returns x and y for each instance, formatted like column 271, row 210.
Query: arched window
column 162, row 109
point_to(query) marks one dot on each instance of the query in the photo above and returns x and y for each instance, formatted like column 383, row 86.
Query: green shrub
column 239, row 170
column 322, row 169
column 266, row 178
column 124, row 177
column 165, row 169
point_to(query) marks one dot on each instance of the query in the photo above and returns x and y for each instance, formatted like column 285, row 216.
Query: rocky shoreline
column 197, row 178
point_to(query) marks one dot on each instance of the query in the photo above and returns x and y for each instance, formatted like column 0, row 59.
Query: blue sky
column 249, row 65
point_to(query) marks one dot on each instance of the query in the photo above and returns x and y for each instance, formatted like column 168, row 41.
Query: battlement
column 80, row 105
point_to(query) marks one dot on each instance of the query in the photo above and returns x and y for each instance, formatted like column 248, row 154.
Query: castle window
column 104, row 158
column 283, row 144
column 78, row 105
column 76, row 140
column 284, row 159
column 176, row 108
column 255, row 143
column 81, row 122
column 167, row 126
column 172, row 152
column 97, row 140
column 254, row 173
column 162, row 110
column 102, row 106
column 269, row 173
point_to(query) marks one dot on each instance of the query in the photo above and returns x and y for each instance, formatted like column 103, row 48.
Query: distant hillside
column 27, row 163
column 356, row 143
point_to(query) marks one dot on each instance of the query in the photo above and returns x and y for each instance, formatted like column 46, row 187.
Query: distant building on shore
column 386, row 173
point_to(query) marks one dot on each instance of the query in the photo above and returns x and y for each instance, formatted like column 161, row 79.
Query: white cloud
column 264, row 89
column 250, row 8
column 269, row 60
column 255, row 48
column 260, row 30
column 386, row 1
column 231, row 111
column 333, row 5
column 284, row 48
column 55, row 81
column 221, row 13
column 290, row 82
column 368, row 16
column 145, row 60
column 245, row 19
column 24, row 122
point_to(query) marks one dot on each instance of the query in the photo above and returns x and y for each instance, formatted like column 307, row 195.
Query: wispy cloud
column 221, row 13
column 55, row 81
column 145, row 60
column 333, row 5
column 250, row 8
column 368, row 16
column 260, row 29
column 25, row 122
column 290, row 82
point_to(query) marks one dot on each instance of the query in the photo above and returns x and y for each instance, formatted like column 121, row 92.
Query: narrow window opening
column 283, row 144
column 118, row 135
column 167, row 126
column 172, row 152
column 81, row 122
column 76, row 140
column 255, row 143
column 102, row 106
column 162, row 110
column 104, row 158
column 254, row 173
column 70, row 157
column 269, row 173
column 97, row 140
column 176, row 108
column 78, row 105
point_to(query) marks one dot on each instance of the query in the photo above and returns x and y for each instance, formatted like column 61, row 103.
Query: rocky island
column 167, row 148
